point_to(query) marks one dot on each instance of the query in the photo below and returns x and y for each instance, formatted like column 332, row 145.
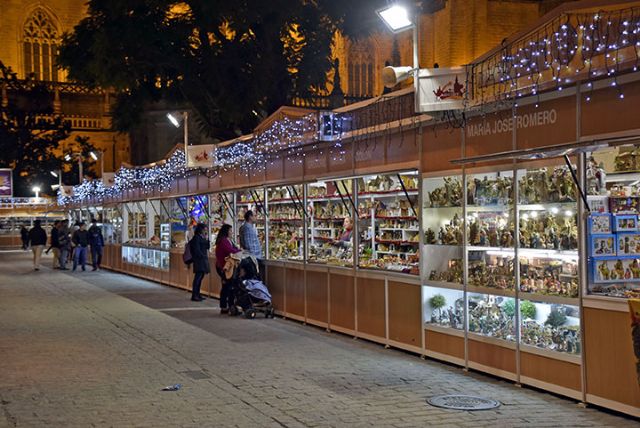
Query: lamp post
column 57, row 174
column 176, row 122
column 397, row 18
column 36, row 190
column 98, row 155
column 77, row 155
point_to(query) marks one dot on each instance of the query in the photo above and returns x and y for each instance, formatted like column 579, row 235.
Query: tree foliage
column 232, row 62
column 30, row 135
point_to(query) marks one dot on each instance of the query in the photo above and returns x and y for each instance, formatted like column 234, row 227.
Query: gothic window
column 361, row 68
column 40, row 40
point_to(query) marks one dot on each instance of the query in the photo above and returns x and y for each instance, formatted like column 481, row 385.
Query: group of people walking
column 199, row 247
column 65, row 243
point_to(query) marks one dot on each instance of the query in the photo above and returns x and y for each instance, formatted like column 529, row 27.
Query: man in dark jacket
column 80, row 241
column 64, row 241
column 199, row 246
column 96, row 240
column 54, row 244
column 38, row 239
column 24, row 236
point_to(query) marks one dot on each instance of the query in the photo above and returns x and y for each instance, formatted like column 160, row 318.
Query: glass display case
column 553, row 327
column 490, row 232
column 254, row 200
column 613, row 233
column 286, row 222
column 144, row 256
column 178, row 221
column 548, row 232
column 112, row 225
column 492, row 316
column 442, row 219
column 137, row 232
column 389, row 233
column 330, row 222
column 160, row 225
column 221, row 211
column 443, row 307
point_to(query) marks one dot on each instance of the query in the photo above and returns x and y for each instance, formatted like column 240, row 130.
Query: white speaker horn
column 391, row 76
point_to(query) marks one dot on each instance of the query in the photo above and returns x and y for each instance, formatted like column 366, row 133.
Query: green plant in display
column 509, row 308
column 556, row 319
column 527, row 309
column 437, row 302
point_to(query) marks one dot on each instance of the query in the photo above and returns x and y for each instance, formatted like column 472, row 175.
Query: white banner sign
column 201, row 156
column 441, row 89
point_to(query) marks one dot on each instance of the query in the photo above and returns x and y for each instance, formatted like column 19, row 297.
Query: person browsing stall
column 249, row 240
column 224, row 248
column 199, row 247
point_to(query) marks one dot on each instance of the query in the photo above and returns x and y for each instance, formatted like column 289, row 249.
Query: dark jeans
column 197, row 282
column 262, row 272
column 96, row 256
column 226, row 293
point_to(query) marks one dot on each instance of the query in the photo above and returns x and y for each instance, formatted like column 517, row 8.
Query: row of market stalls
column 506, row 241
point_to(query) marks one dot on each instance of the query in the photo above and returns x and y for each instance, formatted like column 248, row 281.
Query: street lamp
column 99, row 155
column 69, row 156
column 397, row 19
column 57, row 174
column 36, row 190
column 176, row 122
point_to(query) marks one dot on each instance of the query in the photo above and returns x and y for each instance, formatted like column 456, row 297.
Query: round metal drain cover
column 463, row 402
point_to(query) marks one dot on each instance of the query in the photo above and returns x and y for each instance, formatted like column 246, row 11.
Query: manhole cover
column 463, row 402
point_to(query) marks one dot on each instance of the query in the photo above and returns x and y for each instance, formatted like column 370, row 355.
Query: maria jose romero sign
column 6, row 183
column 499, row 125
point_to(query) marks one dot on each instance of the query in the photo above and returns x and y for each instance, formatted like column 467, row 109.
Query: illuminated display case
column 254, row 200
column 492, row 316
column 286, row 222
column 221, row 211
column 144, row 256
column 330, row 222
column 554, row 327
column 389, row 232
column 612, row 177
column 112, row 225
column 137, row 226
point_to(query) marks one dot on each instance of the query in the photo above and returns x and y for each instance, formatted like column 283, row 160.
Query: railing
column 326, row 102
column 61, row 87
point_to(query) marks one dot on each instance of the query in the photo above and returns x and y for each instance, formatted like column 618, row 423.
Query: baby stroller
column 250, row 295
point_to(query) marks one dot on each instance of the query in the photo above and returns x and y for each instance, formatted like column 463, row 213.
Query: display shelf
column 491, row 315
column 547, row 298
column 550, row 326
column 562, row 356
column 155, row 258
column 445, row 330
column 491, row 290
column 504, row 343
column 286, row 231
column 443, row 284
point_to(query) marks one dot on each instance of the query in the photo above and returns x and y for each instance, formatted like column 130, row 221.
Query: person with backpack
column 96, row 241
column 198, row 250
column 38, row 239
column 224, row 248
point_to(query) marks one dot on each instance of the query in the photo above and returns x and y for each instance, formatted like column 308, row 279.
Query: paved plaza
column 96, row 348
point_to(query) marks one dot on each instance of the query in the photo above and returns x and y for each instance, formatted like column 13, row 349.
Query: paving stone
column 95, row 349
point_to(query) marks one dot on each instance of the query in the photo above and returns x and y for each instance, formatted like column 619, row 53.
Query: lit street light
column 36, row 190
column 396, row 17
column 69, row 156
column 176, row 122
column 99, row 155
column 57, row 174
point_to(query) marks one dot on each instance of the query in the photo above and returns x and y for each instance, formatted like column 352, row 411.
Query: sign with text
column 520, row 121
column 6, row 182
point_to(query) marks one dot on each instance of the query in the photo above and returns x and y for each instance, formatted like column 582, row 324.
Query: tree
column 30, row 135
column 232, row 62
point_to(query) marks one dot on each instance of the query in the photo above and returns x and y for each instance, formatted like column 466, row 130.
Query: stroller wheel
column 233, row 310
column 250, row 313
column 269, row 313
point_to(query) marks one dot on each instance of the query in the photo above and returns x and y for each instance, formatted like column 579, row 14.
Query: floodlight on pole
column 55, row 186
column 396, row 17
column 93, row 155
column 174, row 120
column 67, row 157
column 54, row 173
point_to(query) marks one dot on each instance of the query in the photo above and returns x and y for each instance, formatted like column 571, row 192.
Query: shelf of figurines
column 551, row 328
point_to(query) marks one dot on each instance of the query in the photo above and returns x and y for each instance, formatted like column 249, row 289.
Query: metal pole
column 186, row 130
column 416, row 58
column 80, row 174
column 102, row 164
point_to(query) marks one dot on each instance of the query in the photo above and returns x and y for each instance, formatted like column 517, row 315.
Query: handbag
column 186, row 255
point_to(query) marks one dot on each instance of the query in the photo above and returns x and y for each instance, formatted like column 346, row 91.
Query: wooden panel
column 611, row 371
column 552, row 122
column 608, row 113
column 371, row 306
column 315, row 163
column 275, row 169
column 227, row 179
column 487, row 135
column 295, row 291
column 241, row 177
column 294, row 168
column 492, row 356
column 440, row 144
column 342, row 301
column 192, row 184
column 369, row 153
column 341, row 161
column 317, row 296
column 275, row 282
column 403, row 148
column 405, row 313
column 444, row 343
column 549, row 370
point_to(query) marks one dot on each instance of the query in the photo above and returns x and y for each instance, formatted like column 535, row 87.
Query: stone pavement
column 94, row 349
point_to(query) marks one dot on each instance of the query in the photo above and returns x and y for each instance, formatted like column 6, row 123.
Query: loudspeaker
column 391, row 76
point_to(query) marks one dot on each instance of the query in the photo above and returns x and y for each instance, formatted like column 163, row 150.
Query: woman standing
column 199, row 246
column 224, row 248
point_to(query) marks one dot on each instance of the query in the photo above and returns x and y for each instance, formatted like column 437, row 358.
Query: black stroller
column 250, row 295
